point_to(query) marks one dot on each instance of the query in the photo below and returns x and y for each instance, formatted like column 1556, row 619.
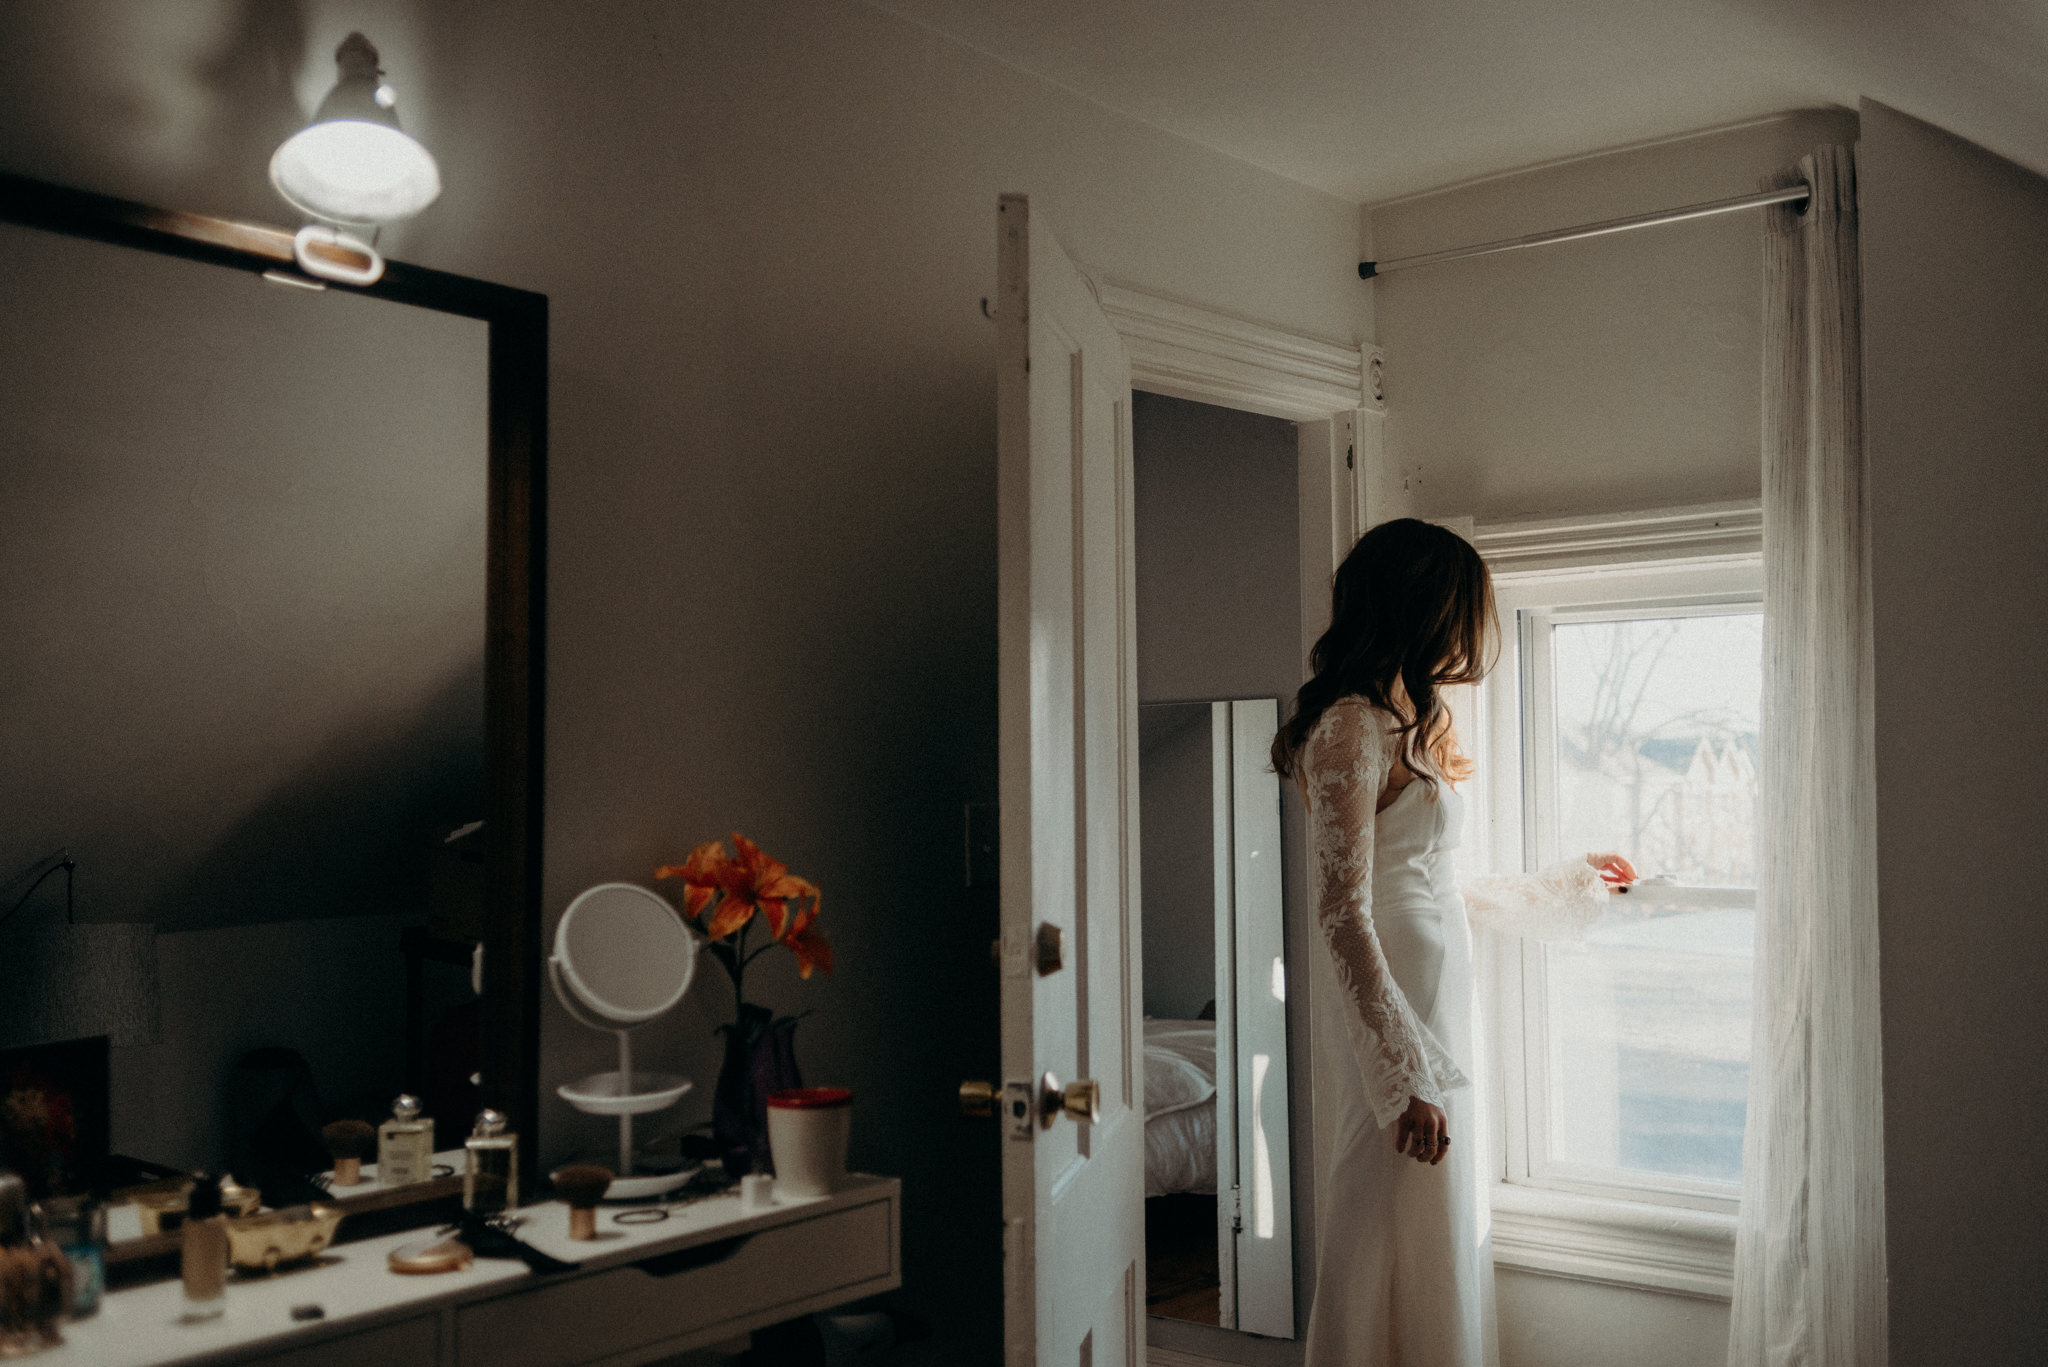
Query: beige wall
column 1956, row 403
column 1604, row 375
column 764, row 231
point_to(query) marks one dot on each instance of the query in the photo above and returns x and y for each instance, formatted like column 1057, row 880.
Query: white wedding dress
column 1404, row 1267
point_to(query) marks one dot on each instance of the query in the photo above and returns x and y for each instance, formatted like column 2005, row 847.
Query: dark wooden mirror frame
column 514, row 595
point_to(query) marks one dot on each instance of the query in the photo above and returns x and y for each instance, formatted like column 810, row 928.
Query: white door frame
column 1332, row 391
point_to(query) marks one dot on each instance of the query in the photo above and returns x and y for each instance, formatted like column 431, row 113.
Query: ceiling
column 1374, row 99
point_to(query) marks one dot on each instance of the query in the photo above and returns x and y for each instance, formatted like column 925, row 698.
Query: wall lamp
column 353, row 165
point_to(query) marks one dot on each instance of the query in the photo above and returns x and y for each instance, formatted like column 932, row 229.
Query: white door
column 1073, row 1188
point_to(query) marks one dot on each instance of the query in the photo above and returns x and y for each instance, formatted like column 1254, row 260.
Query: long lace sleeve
column 1560, row 902
column 1345, row 769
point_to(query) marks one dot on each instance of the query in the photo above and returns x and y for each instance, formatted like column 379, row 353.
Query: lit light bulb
column 353, row 163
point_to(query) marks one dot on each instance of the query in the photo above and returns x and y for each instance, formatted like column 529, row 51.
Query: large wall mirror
column 1219, row 1207
column 269, row 704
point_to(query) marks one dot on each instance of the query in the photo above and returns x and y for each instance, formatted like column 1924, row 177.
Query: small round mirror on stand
column 623, row 958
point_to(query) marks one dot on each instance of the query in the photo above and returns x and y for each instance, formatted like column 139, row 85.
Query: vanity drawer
column 410, row 1343
column 650, row 1303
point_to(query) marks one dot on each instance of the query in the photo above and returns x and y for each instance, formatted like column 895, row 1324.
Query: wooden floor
column 1180, row 1259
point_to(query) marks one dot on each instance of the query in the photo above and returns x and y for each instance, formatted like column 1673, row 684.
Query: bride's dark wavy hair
column 1411, row 613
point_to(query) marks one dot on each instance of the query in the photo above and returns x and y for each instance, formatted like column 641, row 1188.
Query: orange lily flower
column 809, row 945
column 754, row 882
column 700, row 874
column 740, row 887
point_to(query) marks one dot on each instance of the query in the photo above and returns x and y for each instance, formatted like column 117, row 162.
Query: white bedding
column 1180, row 1107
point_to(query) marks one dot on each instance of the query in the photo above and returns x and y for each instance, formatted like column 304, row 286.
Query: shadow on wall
column 355, row 831
column 179, row 104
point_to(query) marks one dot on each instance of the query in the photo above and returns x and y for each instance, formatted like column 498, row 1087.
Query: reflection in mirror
column 1219, row 1194
column 242, row 533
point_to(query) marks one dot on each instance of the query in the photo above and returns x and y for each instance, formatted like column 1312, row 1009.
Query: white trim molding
column 1668, row 538
column 1620, row 1243
column 1190, row 352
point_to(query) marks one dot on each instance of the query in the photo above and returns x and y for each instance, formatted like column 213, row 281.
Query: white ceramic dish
column 606, row 1094
column 640, row 1186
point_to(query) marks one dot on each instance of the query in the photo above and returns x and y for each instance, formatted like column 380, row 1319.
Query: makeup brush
column 582, row 1185
column 349, row 1141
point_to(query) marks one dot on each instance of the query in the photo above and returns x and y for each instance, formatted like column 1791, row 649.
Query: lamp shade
column 353, row 163
column 70, row 981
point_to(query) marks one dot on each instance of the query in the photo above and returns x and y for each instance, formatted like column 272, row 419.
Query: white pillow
column 1180, row 1061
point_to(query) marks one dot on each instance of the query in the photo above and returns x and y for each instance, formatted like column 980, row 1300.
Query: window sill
column 1621, row 1243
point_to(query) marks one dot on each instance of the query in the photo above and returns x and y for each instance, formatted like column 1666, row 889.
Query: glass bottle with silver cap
column 490, row 1178
column 405, row 1145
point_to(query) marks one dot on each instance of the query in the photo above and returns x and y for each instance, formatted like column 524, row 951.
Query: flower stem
column 738, row 970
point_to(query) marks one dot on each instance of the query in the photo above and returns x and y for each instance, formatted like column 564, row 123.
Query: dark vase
column 760, row 1057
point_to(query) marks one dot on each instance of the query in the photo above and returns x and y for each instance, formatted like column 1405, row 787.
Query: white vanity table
column 640, row 1293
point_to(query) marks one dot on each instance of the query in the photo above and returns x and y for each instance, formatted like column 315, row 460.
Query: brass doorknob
column 1081, row 1100
column 978, row 1099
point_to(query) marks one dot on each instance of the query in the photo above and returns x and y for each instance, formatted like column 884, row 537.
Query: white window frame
column 1524, row 1042
column 1663, row 1234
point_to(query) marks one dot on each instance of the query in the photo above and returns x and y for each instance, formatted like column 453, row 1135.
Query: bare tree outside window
column 1655, row 723
column 1657, row 742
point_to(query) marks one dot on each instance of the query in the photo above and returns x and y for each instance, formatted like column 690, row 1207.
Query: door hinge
column 1236, row 1209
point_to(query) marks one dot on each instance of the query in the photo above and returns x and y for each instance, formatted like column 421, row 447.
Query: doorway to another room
column 1219, row 654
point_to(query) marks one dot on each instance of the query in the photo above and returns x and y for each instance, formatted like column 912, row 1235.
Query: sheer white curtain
column 1809, row 1260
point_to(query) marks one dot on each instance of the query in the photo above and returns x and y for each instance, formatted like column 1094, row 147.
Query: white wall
column 764, row 231
column 1605, row 375
column 1956, row 404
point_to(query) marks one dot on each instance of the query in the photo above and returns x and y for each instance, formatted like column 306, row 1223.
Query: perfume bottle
column 203, row 1257
column 405, row 1145
column 78, row 1225
column 490, row 1178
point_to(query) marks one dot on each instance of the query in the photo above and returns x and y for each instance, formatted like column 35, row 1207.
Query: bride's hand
column 1615, row 869
column 1422, row 1132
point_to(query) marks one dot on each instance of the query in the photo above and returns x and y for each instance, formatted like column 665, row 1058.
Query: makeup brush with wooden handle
column 349, row 1141
column 582, row 1185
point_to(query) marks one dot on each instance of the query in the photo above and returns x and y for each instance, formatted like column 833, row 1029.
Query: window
column 1624, row 716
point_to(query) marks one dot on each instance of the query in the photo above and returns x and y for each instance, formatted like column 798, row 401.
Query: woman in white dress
column 1404, row 1270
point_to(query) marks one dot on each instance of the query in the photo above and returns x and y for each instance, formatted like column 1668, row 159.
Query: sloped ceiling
column 1373, row 99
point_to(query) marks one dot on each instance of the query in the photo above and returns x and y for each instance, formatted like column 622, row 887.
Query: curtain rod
column 1791, row 194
